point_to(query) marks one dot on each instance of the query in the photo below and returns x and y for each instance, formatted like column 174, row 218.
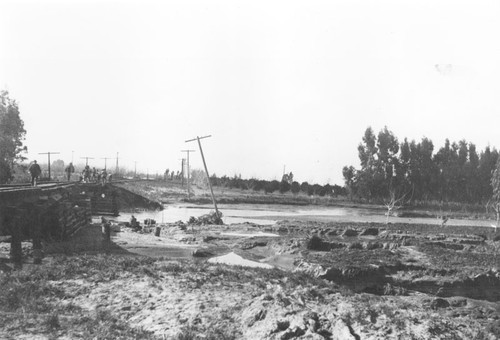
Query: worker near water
column 35, row 172
column 69, row 170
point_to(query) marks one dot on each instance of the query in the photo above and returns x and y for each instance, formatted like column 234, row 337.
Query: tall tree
column 12, row 135
column 487, row 162
column 472, row 180
column 367, row 177
column 349, row 174
column 495, row 184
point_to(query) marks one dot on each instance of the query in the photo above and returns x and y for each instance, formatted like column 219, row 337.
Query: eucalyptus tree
column 12, row 135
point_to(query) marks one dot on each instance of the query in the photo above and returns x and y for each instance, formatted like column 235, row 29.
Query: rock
column 439, row 303
column 458, row 302
column 350, row 233
column 253, row 244
column 369, row 232
column 316, row 243
column 293, row 333
column 282, row 325
column 200, row 252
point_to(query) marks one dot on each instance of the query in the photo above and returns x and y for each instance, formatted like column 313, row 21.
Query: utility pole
column 188, row 187
column 86, row 160
column 206, row 170
column 182, row 172
column 116, row 170
column 135, row 169
column 105, row 161
column 48, row 154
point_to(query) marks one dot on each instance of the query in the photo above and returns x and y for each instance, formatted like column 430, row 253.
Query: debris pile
column 210, row 218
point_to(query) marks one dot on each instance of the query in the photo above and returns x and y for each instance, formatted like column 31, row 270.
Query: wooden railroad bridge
column 52, row 211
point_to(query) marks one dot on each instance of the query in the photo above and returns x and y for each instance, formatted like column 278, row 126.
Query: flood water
column 269, row 214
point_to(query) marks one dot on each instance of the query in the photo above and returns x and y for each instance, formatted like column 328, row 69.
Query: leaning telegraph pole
column 206, row 170
column 188, row 151
column 48, row 154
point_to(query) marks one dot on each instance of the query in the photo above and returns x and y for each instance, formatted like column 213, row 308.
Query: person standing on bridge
column 69, row 170
column 35, row 172
column 104, row 176
column 86, row 174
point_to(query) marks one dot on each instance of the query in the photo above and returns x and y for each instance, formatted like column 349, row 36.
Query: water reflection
column 260, row 214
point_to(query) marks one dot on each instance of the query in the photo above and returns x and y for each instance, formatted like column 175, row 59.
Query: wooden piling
column 16, row 251
column 36, row 234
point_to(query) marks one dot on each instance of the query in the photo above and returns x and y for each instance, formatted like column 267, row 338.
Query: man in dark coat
column 69, row 170
column 35, row 172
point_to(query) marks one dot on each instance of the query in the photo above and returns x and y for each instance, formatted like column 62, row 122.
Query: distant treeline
column 455, row 173
column 287, row 184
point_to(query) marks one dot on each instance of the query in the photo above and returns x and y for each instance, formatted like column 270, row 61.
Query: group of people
column 86, row 176
column 171, row 175
column 93, row 175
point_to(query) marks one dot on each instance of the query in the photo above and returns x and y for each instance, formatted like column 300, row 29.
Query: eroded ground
column 330, row 281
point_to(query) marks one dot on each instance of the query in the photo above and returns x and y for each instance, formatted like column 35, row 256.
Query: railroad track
column 54, row 184
column 42, row 186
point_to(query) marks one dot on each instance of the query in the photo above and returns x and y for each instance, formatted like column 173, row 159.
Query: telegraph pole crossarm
column 86, row 160
column 48, row 155
column 206, row 170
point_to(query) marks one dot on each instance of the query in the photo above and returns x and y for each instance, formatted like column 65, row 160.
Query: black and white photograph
column 255, row 170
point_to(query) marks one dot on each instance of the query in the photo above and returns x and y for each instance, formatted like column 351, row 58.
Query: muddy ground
column 329, row 280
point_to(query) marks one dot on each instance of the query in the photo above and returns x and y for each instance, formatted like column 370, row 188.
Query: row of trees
column 456, row 172
column 12, row 135
column 285, row 185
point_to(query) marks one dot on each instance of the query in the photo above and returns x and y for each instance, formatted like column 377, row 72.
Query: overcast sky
column 274, row 83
